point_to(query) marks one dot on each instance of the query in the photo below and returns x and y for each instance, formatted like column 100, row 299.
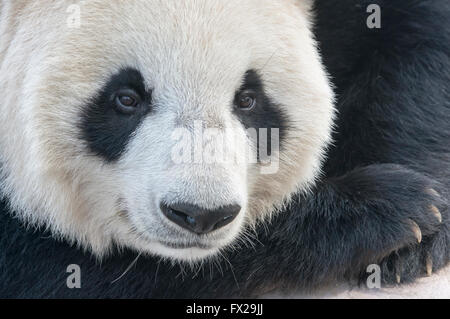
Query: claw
column 398, row 268
column 417, row 231
column 436, row 213
column 429, row 265
column 433, row 192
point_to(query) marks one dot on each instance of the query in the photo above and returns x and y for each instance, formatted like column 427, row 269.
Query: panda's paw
column 425, row 217
column 404, row 220
column 413, row 261
column 410, row 205
column 422, row 238
column 421, row 216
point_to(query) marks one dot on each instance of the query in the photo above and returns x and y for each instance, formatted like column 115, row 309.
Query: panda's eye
column 246, row 100
column 126, row 101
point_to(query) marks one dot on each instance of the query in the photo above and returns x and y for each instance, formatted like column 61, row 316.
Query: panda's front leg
column 348, row 223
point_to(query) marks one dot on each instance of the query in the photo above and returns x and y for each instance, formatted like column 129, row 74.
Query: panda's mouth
column 164, row 238
column 186, row 245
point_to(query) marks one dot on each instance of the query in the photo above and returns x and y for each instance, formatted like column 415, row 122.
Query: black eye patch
column 106, row 130
column 265, row 114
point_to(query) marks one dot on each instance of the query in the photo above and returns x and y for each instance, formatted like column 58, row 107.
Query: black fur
column 106, row 130
column 392, row 145
column 265, row 115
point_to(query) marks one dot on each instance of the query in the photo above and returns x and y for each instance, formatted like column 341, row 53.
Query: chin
column 193, row 254
column 181, row 250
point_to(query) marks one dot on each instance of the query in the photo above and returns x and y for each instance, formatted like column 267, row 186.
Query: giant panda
column 90, row 122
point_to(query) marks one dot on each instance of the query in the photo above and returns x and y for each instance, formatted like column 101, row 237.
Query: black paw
column 419, row 217
column 415, row 225
column 404, row 217
column 430, row 253
column 408, row 263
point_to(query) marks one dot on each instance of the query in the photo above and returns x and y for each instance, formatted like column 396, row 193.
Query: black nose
column 199, row 220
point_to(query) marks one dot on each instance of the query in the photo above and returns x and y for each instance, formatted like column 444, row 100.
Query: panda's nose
column 197, row 219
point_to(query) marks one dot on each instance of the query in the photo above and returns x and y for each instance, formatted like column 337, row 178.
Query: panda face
column 169, row 127
column 180, row 158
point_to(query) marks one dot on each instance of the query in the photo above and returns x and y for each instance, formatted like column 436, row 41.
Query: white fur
column 193, row 55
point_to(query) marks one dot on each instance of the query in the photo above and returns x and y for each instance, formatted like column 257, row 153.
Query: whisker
column 128, row 269
column 231, row 269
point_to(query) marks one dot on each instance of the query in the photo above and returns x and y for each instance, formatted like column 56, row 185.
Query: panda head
column 168, row 127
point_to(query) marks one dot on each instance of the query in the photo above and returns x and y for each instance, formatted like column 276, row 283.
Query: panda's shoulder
column 414, row 27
